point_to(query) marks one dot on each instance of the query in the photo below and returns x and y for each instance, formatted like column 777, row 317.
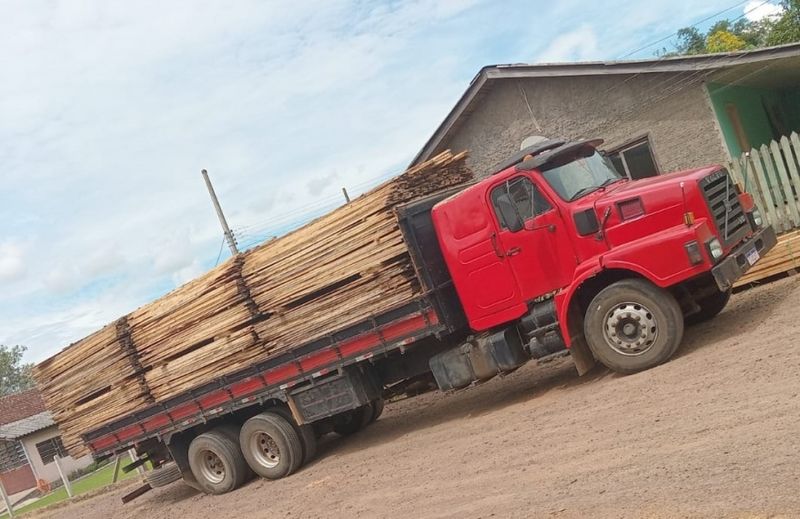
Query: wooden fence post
column 64, row 478
column 6, row 500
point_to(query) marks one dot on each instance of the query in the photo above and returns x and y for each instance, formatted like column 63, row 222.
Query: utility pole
column 228, row 234
column 346, row 196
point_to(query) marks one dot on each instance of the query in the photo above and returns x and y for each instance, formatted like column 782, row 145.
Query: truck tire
column 306, row 433
column 377, row 409
column 353, row 421
column 271, row 445
column 217, row 462
column 709, row 307
column 164, row 475
column 633, row 325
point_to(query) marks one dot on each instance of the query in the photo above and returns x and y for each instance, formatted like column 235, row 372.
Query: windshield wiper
column 583, row 191
column 610, row 181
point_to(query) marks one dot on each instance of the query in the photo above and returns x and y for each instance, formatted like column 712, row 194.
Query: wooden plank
column 774, row 188
column 337, row 270
column 783, row 257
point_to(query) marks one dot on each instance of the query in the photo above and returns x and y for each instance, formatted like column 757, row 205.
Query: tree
column 786, row 29
column 741, row 34
column 15, row 376
column 690, row 41
column 724, row 41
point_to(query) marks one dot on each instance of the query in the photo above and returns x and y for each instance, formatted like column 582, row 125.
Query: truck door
column 531, row 237
column 486, row 286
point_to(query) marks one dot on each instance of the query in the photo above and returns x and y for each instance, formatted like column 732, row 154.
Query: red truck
column 554, row 250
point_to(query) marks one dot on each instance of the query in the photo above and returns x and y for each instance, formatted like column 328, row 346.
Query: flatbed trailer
column 324, row 377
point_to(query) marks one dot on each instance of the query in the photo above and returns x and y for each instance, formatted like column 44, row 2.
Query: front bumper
column 736, row 264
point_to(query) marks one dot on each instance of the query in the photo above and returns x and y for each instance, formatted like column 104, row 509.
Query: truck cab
column 621, row 263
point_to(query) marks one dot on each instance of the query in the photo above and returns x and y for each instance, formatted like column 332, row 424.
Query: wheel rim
column 630, row 329
column 212, row 467
column 265, row 450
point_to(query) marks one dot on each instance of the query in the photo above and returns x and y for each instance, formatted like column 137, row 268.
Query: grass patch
column 93, row 481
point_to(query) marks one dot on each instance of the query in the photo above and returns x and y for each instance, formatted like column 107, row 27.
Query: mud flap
column 581, row 355
column 579, row 350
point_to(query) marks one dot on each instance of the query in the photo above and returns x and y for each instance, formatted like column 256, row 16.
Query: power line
column 631, row 53
column 219, row 254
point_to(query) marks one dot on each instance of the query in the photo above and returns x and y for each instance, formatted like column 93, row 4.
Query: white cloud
column 757, row 10
column 576, row 45
column 12, row 261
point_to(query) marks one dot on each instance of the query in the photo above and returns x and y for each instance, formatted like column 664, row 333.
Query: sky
column 110, row 109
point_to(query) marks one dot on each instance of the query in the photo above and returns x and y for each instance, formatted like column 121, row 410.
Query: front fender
column 564, row 297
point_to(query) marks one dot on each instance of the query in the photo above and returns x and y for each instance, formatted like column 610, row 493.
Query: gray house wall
column 682, row 126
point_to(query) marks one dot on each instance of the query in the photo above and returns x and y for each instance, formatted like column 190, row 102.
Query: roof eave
column 596, row 68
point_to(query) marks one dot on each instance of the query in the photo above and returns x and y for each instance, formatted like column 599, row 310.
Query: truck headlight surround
column 715, row 248
column 758, row 220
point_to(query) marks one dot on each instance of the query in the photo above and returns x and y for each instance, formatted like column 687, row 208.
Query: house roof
column 484, row 79
column 20, row 405
column 26, row 426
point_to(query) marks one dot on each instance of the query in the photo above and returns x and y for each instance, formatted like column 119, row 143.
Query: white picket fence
column 772, row 174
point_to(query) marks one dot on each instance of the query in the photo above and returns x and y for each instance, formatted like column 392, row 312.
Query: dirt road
column 713, row 433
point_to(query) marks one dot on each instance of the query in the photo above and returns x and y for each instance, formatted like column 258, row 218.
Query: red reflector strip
column 129, row 432
column 157, row 422
column 246, row 386
column 397, row 330
column 321, row 358
column 183, row 411
column 103, row 443
column 214, row 399
column 282, row 374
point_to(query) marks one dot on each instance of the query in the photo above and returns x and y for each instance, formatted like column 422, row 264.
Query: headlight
column 715, row 248
column 757, row 220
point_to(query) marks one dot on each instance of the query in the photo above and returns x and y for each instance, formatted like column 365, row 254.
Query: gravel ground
column 713, row 433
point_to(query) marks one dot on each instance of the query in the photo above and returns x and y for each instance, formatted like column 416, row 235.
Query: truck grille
column 722, row 199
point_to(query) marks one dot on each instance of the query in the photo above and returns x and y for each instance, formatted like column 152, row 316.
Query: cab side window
column 517, row 200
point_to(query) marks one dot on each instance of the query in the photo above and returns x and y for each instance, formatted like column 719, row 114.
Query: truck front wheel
column 632, row 325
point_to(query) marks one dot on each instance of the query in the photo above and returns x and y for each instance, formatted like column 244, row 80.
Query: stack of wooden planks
column 335, row 271
column 785, row 256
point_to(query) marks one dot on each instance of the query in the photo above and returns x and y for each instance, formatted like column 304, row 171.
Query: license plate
column 752, row 256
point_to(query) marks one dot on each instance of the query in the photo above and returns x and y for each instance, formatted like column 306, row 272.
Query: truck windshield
column 577, row 175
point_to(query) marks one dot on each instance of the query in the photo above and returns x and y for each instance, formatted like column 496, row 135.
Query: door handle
column 513, row 251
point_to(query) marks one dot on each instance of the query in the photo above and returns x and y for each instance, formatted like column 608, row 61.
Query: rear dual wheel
column 271, row 445
column 217, row 462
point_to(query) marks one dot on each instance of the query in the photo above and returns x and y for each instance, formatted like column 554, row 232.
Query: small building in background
column 29, row 442
column 655, row 115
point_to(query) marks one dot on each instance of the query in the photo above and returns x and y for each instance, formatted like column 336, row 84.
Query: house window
column 11, row 455
column 49, row 448
column 634, row 160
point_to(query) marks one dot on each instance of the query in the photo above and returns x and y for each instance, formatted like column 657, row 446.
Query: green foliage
column 15, row 376
column 724, row 41
column 786, row 29
column 742, row 34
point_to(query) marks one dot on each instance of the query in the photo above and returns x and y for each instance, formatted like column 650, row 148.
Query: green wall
column 750, row 102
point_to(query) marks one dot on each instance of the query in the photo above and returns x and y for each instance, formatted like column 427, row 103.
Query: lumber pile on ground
column 785, row 256
column 335, row 271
